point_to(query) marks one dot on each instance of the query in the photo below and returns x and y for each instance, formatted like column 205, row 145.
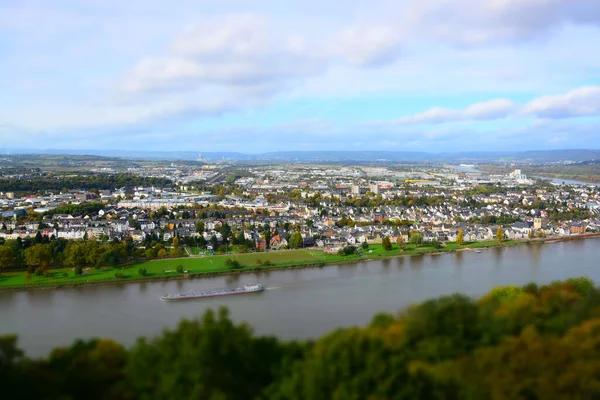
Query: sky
column 266, row 75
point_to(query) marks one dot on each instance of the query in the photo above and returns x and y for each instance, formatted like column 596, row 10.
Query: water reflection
column 39, row 297
column 417, row 261
column 400, row 261
column 232, row 280
column 459, row 257
column 535, row 249
column 497, row 252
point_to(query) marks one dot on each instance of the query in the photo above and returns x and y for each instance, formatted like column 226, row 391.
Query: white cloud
column 487, row 110
column 236, row 59
column 580, row 102
column 235, row 35
column 370, row 44
column 461, row 23
column 485, row 21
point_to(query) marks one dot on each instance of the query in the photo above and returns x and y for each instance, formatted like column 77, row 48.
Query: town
column 331, row 206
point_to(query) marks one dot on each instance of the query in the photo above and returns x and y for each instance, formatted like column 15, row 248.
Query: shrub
column 180, row 269
column 233, row 264
column 119, row 275
column 416, row 238
column 78, row 270
column 142, row 272
column 364, row 245
column 386, row 243
column 435, row 244
column 348, row 250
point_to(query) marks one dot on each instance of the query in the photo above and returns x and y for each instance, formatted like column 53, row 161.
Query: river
column 299, row 303
column 560, row 181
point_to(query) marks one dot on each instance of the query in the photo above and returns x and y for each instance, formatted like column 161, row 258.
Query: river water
column 566, row 181
column 300, row 303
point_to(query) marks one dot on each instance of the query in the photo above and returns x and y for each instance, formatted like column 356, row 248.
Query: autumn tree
column 386, row 243
column 38, row 255
column 499, row 234
column 400, row 241
column 460, row 237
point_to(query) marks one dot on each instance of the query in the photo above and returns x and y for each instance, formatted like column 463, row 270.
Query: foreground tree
column 207, row 359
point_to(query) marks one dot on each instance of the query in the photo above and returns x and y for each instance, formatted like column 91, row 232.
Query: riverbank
column 165, row 270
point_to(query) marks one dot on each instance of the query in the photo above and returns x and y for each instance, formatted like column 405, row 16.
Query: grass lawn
column 215, row 264
column 167, row 268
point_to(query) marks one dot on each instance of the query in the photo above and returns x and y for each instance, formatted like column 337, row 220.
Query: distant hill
column 536, row 156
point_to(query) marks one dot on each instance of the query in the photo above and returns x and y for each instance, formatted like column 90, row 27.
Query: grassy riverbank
column 195, row 266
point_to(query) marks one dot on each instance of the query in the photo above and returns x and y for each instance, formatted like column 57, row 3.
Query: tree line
column 531, row 342
column 41, row 252
column 76, row 182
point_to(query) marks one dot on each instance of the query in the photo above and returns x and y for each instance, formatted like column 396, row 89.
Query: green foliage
column 348, row 250
column 94, row 181
column 179, row 268
column 142, row 272
column 364, row 245
column 386, row 243
column 119, row 275
column 84, row 208
column 435, row 244
column 233, row 264
column 416, row 238
column 7, row 257
column 38, row 254
column 296, row 241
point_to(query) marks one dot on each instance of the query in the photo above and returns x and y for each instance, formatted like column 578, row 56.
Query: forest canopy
column 79, row 182
column 531, row 342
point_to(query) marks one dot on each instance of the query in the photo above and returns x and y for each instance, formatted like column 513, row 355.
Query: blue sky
column 208, row 75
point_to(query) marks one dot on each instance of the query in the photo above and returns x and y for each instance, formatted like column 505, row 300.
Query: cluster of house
column 319, row 225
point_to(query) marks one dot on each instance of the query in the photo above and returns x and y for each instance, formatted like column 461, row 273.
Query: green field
column 160, row 269
column 167, row 268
